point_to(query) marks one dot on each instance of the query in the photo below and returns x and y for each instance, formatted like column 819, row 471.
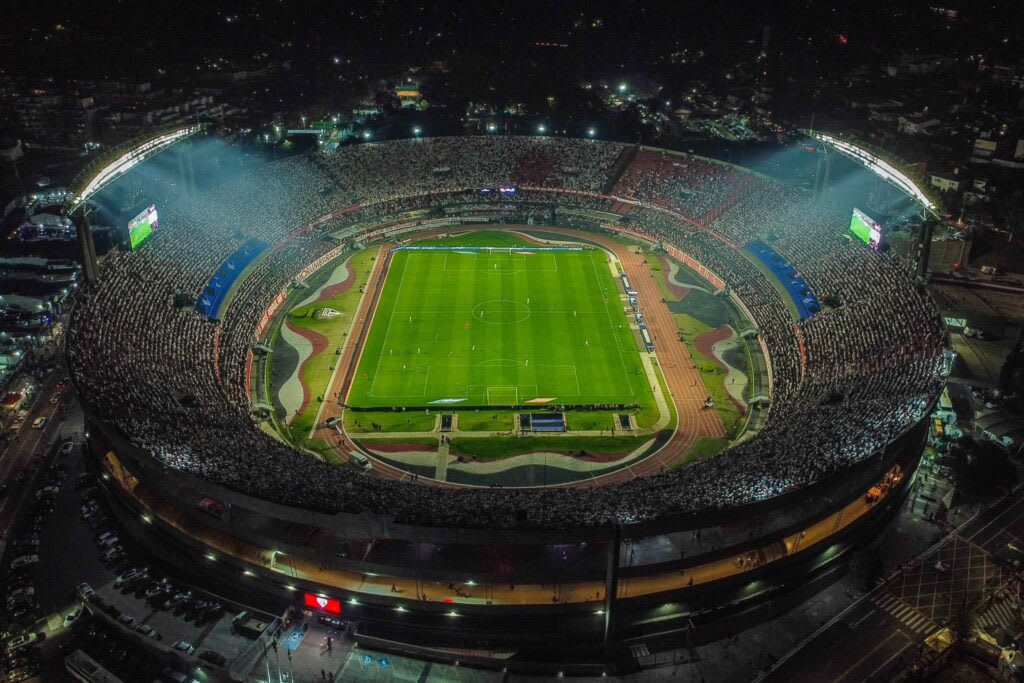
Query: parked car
column 109, row 542
column 211, row 612
column 127, row 619
column 146, row 630
column 157, row 595
column 196, row 609
column 213, row 657
column 132, row 575
column 114, row 554
column 24, row 561
column 175, row 600
column 21, row 642
column 184, row 647
column 72, row 617
column 67, row 448
column 331, row 622
column 21, row 674
column 169, row 675
column 85, row 590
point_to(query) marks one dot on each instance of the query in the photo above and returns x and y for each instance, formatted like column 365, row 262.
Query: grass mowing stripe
column 611, row 327
column 387, row 333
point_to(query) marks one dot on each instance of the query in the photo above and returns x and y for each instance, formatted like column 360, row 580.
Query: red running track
column 685, row 386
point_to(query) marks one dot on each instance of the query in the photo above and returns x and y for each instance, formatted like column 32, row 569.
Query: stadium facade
column 502, row 577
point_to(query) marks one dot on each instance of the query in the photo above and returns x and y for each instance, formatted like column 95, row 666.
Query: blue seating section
column 220, row 284
column 806, row 303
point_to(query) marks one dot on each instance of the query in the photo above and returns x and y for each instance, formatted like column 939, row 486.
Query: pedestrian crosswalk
column 1000, row 613
column 903, row 613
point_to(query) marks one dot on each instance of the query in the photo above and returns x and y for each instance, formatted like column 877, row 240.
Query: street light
column 416, row 130
column 541, row 129
column 591, row 132
column 491, row 127
column 367, row 135
column 622, row 87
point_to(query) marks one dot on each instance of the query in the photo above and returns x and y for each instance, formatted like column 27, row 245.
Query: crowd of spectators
column 844, row 382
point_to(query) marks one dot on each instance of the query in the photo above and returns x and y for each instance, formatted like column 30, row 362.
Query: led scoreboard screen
column 498, row 192
column 142, row 226
column 866, row 229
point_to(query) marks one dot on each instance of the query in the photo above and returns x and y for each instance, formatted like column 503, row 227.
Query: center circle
column 501, row 312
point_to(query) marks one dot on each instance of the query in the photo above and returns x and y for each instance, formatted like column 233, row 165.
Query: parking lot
column 66, row 537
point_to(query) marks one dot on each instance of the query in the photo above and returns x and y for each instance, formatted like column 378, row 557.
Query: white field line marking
column 611, row 329
column 391, row 319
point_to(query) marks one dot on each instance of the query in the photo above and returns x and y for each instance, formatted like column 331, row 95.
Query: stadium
column 492, row 398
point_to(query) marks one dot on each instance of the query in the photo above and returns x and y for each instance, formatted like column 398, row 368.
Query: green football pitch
column 469, row 327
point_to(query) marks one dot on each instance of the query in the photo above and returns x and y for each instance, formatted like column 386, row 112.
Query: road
column 27, row 446
column 883, row 632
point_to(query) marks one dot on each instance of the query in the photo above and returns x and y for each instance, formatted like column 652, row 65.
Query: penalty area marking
column 507, row 265
column 499, row 388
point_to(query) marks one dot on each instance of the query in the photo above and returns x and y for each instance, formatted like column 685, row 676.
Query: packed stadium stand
column 150, row 368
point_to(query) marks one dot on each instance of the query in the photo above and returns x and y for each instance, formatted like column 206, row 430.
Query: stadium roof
column 884, row 164
column 118, row 160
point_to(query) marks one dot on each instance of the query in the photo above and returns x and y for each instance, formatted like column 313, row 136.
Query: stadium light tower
column 542, row 129
column 491, row 127
column 591, row 132
column 367, row 135
column 417, row 131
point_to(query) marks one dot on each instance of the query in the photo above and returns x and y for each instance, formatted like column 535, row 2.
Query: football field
column 466, row 326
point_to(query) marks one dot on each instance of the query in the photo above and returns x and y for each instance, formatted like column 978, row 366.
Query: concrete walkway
column 441, row 469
